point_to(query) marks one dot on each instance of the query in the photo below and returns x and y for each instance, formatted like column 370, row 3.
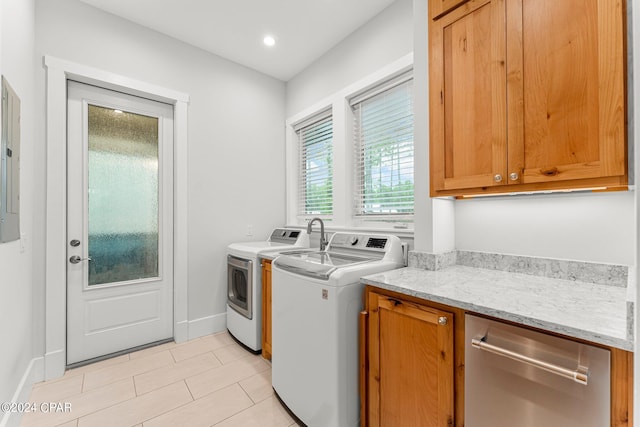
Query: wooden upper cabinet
column 527, row 95
column 573, row 89
column 439, row 7
column 468, row 97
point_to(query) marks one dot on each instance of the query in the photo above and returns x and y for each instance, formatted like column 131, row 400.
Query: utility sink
column 315, row 263
column 335, row 259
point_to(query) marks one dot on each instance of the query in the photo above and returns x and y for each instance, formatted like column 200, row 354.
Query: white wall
column 17, row 65
column 434, row 218
column 384, row 39
column 597, row 227
column 236, row 133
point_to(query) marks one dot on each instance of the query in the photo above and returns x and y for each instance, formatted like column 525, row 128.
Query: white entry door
column 119, row 222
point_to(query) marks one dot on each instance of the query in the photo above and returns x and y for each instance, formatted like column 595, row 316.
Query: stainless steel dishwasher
column 515, row 377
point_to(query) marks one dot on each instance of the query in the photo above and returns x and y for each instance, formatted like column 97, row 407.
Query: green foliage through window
column 383, row 130
column 316, row 168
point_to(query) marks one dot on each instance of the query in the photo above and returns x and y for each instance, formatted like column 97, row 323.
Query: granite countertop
column 593, row 312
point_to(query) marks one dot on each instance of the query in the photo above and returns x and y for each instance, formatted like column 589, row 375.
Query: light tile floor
column 209, row 381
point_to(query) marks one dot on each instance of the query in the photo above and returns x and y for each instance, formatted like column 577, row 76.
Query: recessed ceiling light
column 269, row 41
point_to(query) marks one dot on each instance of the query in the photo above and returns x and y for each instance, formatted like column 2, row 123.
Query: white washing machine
column 244, row 283
column 316, row 298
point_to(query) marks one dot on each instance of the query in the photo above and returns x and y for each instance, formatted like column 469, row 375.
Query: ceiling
column 303, row 29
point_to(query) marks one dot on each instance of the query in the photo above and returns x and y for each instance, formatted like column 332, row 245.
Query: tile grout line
column 135, row 388
column 105, row 407
column 138, row 373
column 170, row 410
column 173, row 356
column 184, row 380
column 245, row 391
column 131, row 379
column 216, row 357
column 136, row 397
column 219, row 367
column 239, row 412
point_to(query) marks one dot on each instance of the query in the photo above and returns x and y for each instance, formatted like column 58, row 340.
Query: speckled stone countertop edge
column 626, row 343
column 578, row 271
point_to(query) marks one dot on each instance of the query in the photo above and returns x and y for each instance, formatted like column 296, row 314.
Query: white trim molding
column 58, row 72
column 31, row 375
column 207, row 325
column 338, row 104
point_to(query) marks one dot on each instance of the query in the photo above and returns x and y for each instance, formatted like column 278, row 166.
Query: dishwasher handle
column 580, row 375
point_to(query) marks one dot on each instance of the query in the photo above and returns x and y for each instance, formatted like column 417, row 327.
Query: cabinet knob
column 513, row 176
column 497, row 178
column 442, row 320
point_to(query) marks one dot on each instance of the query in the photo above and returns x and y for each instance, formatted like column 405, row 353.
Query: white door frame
column 58, row 72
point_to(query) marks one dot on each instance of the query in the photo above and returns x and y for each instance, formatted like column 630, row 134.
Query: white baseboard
column 34, row 373
column 38, row 369
column 207, row 325
column 181, row 331
column 55, row 363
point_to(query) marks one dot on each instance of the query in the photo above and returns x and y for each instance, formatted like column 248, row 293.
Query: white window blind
column 383, row 160
column 315, row 180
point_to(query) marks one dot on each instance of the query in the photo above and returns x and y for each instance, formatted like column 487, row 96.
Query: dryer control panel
column 285, row 235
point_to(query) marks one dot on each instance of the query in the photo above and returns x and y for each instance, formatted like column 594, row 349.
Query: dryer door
column 240, row 285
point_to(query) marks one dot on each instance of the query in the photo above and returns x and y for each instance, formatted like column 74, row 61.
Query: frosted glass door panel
column 122, row 196
column 119, row 214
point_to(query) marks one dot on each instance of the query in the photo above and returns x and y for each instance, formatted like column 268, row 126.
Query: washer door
column 240, row 285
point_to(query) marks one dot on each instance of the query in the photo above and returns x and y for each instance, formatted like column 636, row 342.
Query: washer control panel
column 368, row 242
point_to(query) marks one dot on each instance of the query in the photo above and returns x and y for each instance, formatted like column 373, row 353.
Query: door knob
column 76, row 259
column 497, row 178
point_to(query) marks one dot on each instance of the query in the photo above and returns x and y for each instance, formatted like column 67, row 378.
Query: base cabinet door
column 410, row 364
column 266, row 309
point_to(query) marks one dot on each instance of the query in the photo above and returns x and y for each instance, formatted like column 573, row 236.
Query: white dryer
column 316, row 298
column 244, row 283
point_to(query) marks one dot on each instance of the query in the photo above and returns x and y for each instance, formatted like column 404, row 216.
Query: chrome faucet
column 323, row 241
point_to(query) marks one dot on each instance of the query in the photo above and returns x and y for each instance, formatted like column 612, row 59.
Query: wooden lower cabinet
column 412, row 364
column 408, row 364
column 266, row 309
column 621, row 388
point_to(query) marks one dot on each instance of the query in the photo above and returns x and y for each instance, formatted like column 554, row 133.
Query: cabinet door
column 410, row 365
column 566, row 71
column 468, row 135
column 439, row 7
column 266, row 309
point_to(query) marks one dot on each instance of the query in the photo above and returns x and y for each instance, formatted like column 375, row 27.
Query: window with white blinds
column 383, row 159
column 315, row 180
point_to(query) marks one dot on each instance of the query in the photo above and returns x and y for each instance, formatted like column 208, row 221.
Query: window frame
column 343, row 182
column 305, row 124
column 355, row 104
